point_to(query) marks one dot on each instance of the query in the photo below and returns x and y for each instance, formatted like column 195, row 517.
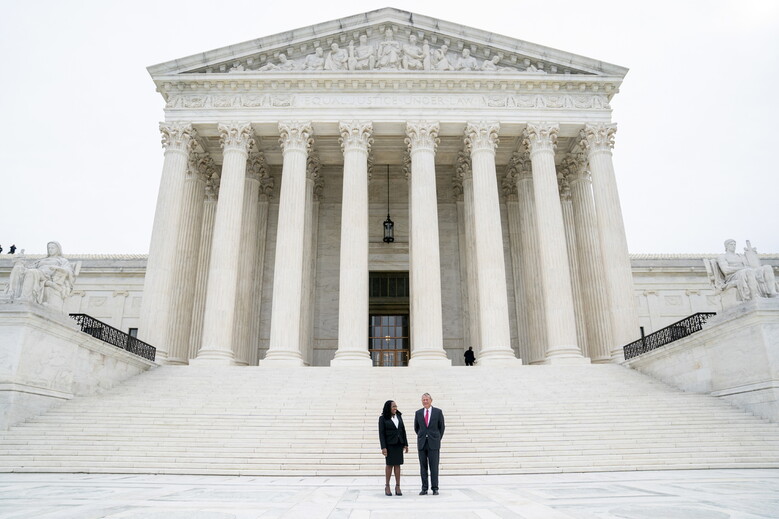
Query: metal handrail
column 109, row 334
column 667, row 335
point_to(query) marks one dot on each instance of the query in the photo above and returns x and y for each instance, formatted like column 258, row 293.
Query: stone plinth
column 45, row 360
column 736, row 358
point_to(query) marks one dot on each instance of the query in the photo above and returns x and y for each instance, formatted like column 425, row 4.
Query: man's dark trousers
column 431, row 457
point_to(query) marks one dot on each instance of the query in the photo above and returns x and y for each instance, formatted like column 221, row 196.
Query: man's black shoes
column 435, row 492
column 423, row 493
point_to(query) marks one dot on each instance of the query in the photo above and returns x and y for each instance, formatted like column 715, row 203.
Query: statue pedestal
column 45, row 360
column 735, row 357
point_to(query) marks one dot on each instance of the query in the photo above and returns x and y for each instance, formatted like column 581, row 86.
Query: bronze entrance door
column 389, row 340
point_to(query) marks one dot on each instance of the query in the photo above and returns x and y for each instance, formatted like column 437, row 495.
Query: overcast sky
column 697, row 113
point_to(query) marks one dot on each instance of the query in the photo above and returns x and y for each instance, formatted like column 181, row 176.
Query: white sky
column 80, row 154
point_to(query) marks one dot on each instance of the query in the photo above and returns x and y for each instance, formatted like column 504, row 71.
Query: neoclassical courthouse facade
column 286, row 156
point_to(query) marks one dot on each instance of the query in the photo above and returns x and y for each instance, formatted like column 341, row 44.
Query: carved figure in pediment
column 315, row 61
column 492, row 64
column 441, row 60
column 337, row 58
column 362, row 57
column 744, row 272
column 532, row 69
column 237, row 67
column 283, row 64
column 48, row 281
column 389, row 52
column 467, row 62
column 413, row 56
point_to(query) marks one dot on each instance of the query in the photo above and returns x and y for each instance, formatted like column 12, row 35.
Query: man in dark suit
column 429, row 426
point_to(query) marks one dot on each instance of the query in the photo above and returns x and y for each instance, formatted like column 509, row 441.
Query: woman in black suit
column 392, row 436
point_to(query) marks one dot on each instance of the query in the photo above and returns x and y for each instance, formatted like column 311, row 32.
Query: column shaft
column 571, row 242
column 285, row 347
column 495, row 333
column 520, row 305
column 353, row 283
column 533, row 295
column 219, row 320
column 201, row 277
column 594, row 290
column 247, row 261
column 425, row 264
column 599, row 139
column 177, row 139
column 555, row 275
column 187, row 248
column 259, row 275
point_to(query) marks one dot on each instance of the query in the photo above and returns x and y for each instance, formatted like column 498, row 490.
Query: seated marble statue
column 337, row 58
column 362, row 57
column 388, row 53
column 413, row 56
column 744, row 272
column 315, row 61
column 47, row 281
column 467, row 62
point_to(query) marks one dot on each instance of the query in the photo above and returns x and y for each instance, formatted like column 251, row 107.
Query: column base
column 206, row 356
column 498, row 358
column 283, row 358
column 429, row 358
column 352, row 358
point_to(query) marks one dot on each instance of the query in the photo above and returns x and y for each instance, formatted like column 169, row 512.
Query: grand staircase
column 322, row 421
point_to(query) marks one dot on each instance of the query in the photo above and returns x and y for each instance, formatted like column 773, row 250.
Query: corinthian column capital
column 295, row 136
column 577, row 166
column 540, row 137
column 422, row 135
column 256, row 168
column 481, row 136
column 178, row 137
column 598, row 137
column 236, row 136
column 356, row 135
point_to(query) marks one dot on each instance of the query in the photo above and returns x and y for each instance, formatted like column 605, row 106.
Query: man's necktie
column 427, row 417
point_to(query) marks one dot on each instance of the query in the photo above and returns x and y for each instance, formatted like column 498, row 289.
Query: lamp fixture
column 389, row 225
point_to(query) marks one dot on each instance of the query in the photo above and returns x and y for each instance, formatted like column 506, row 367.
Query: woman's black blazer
column 391, row 435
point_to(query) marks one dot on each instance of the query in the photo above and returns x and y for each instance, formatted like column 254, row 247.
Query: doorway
column 389, row 338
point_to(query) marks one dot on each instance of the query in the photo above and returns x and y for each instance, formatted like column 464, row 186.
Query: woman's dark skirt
column 394, row 454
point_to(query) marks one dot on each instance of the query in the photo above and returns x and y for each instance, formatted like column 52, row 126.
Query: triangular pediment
column 387, row 41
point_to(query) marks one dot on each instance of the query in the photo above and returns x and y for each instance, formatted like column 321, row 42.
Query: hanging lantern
column 389, row 226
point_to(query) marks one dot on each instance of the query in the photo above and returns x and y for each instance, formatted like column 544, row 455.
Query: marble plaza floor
column 690, row 494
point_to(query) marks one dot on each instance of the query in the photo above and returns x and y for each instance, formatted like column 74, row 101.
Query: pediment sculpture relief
column 741, row 277
column 388, row 54
column 47, row 281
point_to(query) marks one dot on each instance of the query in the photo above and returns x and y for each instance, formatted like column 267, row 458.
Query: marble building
column 283, row 156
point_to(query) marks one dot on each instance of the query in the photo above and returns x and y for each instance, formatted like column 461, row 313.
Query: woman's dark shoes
column 398, row 492
column 387, row 490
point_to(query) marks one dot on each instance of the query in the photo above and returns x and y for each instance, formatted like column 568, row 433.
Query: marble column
column 533, row 294
column 540, row 139
column 178, row 141
column 481, row 140
column 187, row 248
column 591, row 273
column 285, row 347
column 571, row 243
column 309, row 259
column 219, row 321
column 598, row 140
column 204, row 254
column 255, row 168
column 427, row 341
column 469, row 270
column 356, row 140
column 515, row 246
column 259, row 276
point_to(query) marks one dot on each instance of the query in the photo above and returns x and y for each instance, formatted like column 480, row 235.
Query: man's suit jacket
column 391, row 435
column 431, row 433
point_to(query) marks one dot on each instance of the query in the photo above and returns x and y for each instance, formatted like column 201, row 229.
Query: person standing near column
column 429, row 426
